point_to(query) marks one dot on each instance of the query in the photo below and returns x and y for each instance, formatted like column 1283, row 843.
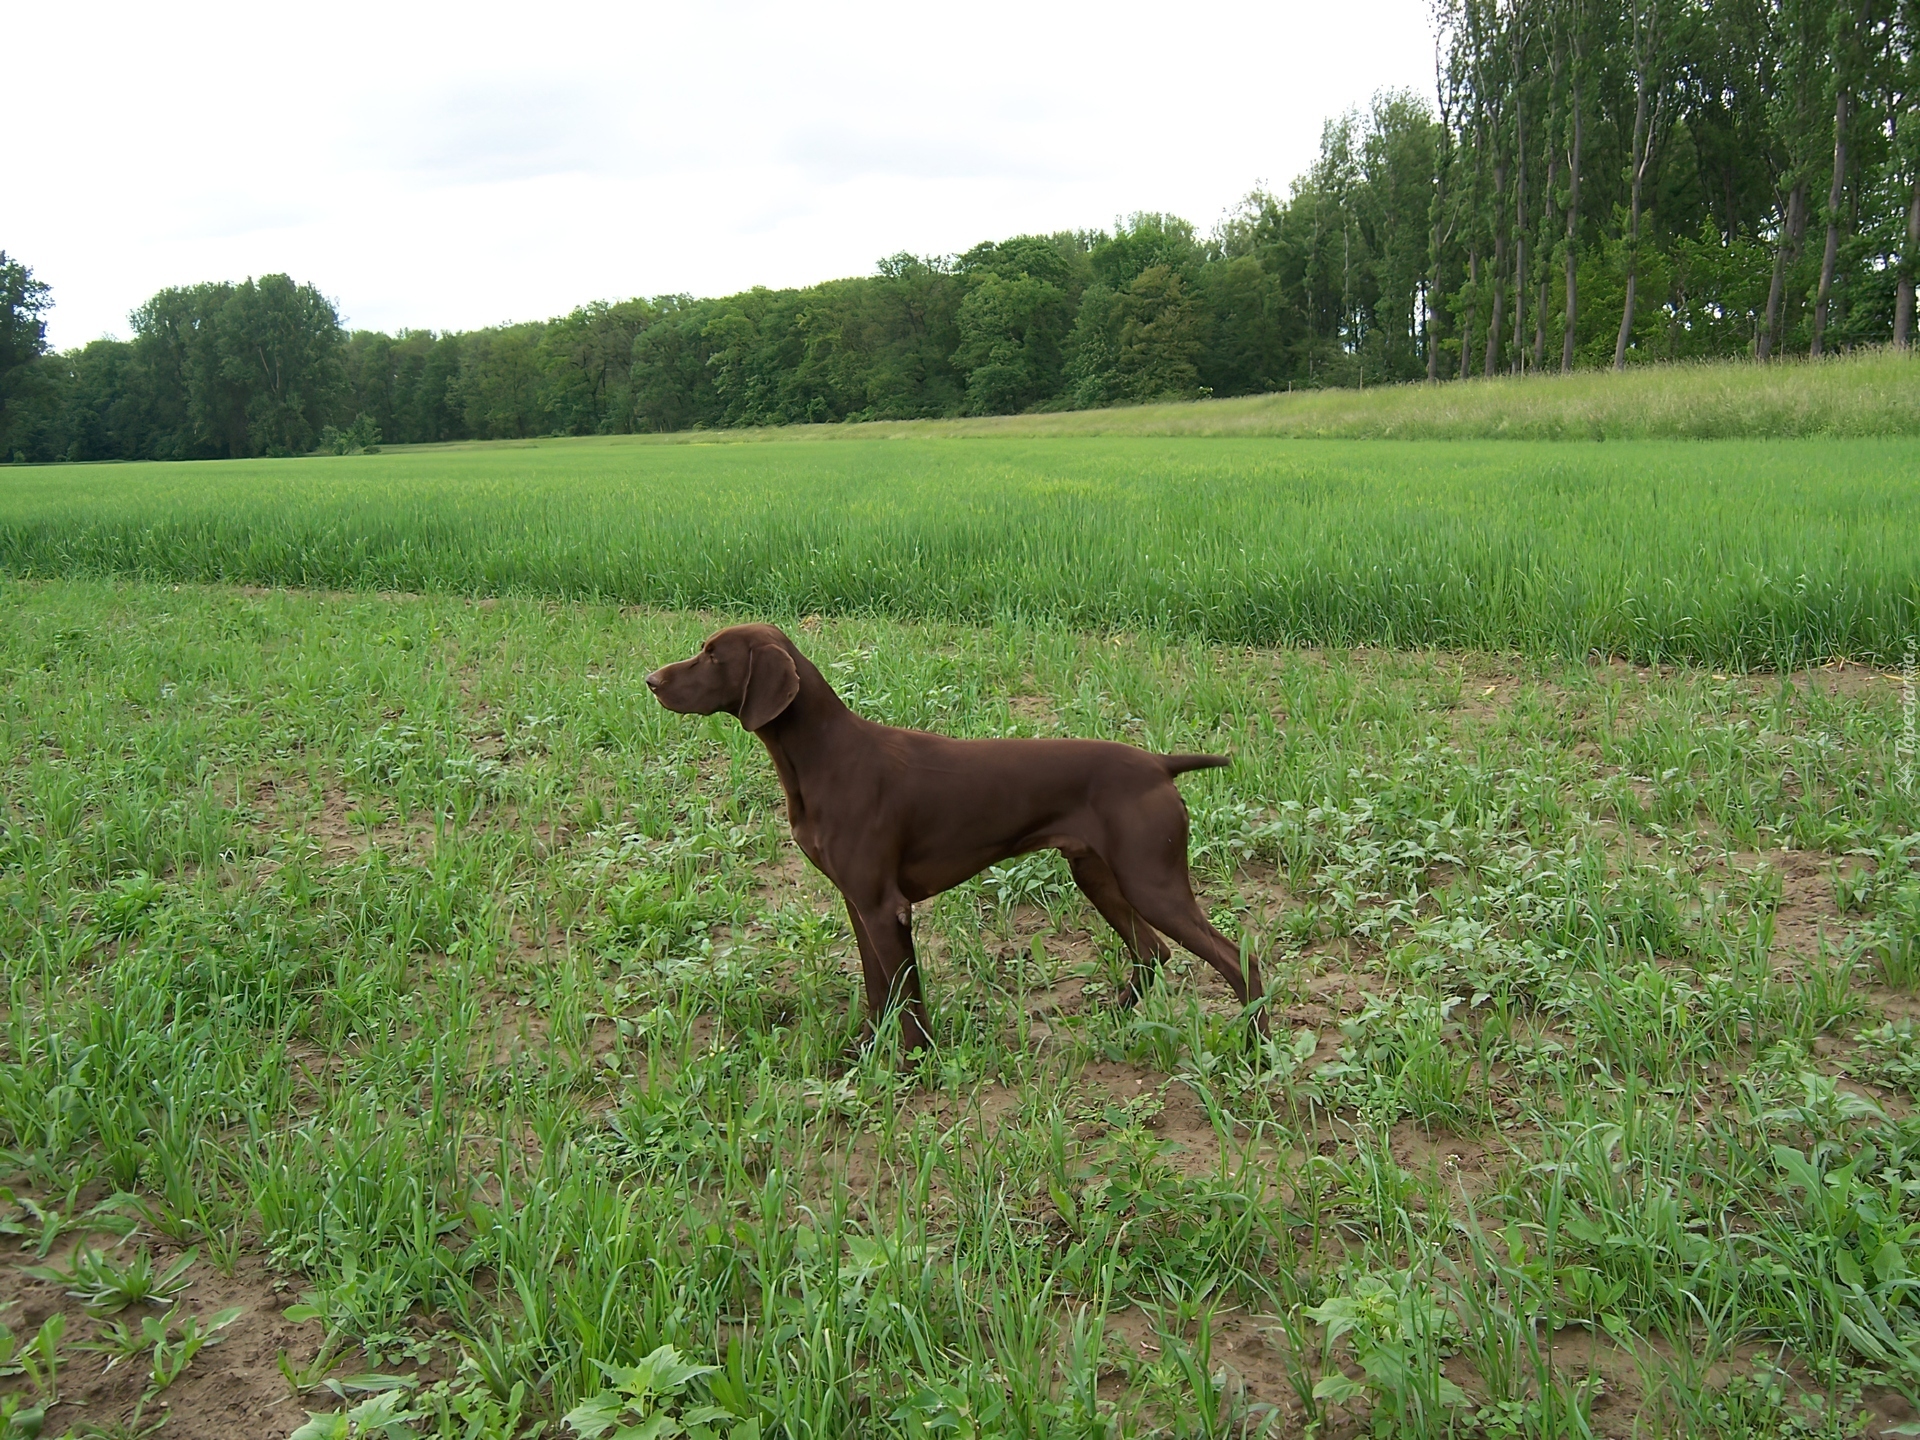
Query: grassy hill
column 1872, row 393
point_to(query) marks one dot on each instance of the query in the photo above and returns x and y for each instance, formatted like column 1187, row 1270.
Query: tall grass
column 1875, row 393
column 1737, row 553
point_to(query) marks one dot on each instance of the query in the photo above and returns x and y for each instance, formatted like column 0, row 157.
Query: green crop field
column 412, row 1030
column 1743, row 554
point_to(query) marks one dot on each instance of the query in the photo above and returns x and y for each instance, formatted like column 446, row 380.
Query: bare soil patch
column 233, row 1387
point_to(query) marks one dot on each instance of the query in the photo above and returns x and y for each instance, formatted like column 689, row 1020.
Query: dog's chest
column 836, row 844
column 811, row 836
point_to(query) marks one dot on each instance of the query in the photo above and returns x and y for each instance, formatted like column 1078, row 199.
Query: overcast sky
column 453, row 166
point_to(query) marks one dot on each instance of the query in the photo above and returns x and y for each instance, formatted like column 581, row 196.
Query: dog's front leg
column 884, row 931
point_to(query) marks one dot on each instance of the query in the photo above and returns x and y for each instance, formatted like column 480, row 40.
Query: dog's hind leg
column 1096, row 882
column 1150, row 866
column 1181, row 917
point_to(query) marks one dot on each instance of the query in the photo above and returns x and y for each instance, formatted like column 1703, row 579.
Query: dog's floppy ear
column 772, row 682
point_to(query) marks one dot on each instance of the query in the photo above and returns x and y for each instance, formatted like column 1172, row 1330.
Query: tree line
column 1593, row 183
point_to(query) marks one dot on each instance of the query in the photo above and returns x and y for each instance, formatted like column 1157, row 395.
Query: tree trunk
column 1433, row 290
column 1498, row 271
column 1436, row 208
column 1540, row 323
column 1519, row 303
column 1764, row 341
column 1903, row 305
column 1626, row 317
column 1426, row 327
column 1346, row 292
column 1573, row 227
column 1519, row 235
column 1834, row 198
column 1784, row 258
column 1637, row 157
column 1546, row 229
column 1466, row 321
column 1434, row 242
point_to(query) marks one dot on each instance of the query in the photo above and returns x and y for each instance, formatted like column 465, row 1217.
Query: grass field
column 1735, row 553
column 469, row 1021
column 1871, row 394
column 457, row 1041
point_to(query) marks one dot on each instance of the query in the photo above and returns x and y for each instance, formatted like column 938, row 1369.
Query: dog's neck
column 798, row 737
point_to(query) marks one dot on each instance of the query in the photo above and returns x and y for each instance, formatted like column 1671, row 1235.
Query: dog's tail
column 1180, row 764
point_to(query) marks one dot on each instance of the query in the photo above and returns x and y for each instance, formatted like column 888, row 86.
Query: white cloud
column 451, row 166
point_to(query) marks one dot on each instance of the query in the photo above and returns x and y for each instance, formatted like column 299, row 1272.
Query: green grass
column 399, row 953
column 405, row 950
column 1735, row 553
column 1875, row 393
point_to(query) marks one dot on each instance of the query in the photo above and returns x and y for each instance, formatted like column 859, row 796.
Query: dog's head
column 745, row 670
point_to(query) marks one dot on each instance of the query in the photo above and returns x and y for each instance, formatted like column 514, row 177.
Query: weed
column 174, row 1342
column 455, row 1410
column 126, row 908
column 1399, row 1334
column 107, row 1288
column 40, row 1359
column 20, row 1421
column 657, row 1396
column 41, row 1227
column 1889, row 1055
column 135, row 1426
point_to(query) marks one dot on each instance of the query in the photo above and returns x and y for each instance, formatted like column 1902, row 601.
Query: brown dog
column 894, row 816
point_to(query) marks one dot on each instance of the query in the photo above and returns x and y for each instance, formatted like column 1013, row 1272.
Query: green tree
column 586, row 363
column 672, row 388
column 373, row 363
column 1399, row 156
column 1799, row 39
column 229, row 370
column 281, row 348
column 24, row 302
column 1011, row 329
column 898, row 340
column 102, row 411
column 498, row 385
column 1144, row 240
column 196, row 410
column 1650, row 62
column 1903, row 165
column 1247, row 341
column 1162, row 333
